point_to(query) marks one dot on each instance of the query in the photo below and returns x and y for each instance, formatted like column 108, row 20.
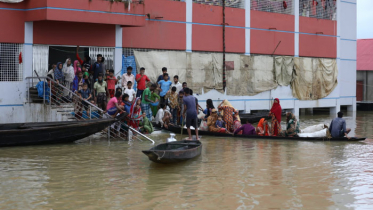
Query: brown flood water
column 230, row 174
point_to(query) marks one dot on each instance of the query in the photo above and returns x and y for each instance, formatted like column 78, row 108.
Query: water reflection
column 230, row 174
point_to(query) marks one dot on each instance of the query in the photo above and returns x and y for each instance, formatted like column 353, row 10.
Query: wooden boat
column 177, row 130
column 21, row 134
column 253, row 118
column 174, row 152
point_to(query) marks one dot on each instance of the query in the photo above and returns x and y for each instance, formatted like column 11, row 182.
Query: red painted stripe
column 66, row 33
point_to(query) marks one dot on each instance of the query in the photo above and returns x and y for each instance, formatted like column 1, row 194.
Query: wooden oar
column 182, row 128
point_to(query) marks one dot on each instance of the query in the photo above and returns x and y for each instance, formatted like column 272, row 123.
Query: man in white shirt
column 163, row 116
column 128, row 77
column 176, row 84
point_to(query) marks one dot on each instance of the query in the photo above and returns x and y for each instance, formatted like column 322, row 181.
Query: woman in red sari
column 276, row 117
column 135, row 114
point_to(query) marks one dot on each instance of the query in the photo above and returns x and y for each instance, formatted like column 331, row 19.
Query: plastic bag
column 203, row 126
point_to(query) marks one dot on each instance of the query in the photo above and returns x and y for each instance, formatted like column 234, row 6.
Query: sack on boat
column 321, row 133
column 203, row 126
column 201, row 116
column 313, row 128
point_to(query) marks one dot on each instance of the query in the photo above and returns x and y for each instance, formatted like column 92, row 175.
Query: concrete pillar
column 118, row 52
column 336, row 109
column 296, row 28
column 189, row 20
column 247, row 27
column 27, row 49
column 352, row 108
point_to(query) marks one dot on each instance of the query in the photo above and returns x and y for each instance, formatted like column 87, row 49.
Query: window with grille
column 322, row 9
column 11, row 69
column 228, row 3
column 275, row 6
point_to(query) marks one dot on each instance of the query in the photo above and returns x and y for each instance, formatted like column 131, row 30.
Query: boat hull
column 177, row 129
column 57, row 132
column 164, row 155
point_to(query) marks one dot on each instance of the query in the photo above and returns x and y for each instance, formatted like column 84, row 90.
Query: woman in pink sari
column 135, row 114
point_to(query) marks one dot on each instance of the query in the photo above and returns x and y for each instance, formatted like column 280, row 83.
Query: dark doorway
column 60, row 54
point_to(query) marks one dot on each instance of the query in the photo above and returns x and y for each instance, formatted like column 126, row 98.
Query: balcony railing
column 322, row 9
column 228, row 3
column 275, row 6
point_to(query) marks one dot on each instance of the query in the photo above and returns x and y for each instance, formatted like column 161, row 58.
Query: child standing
column 85, row 95
column 130, row 91
column 172, row 98
column 101, row 92
column 111, row 82
column 164, row 87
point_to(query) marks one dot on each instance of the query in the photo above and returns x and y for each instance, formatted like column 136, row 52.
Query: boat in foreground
column 174, row 152
column 22, row 134
column 177, row 129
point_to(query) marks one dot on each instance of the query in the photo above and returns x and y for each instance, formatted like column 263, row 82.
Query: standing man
column 97, row 68
column 177, row 84
column 190, row 109
column 164, row 71
column 141, row 80
column 145, row 103
column 128, row 77
column 338, row 127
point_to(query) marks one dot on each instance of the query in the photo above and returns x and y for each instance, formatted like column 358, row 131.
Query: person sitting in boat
column 227, row 111
column 209, row 108
column 146, row 126
column 263, row 128
column 247, row 129
column 275, row 113
column 211, row 122
column 220, row 123
column 163, row 116
column 292, row 126
column 338, row 127
column 113, row 108
column 237, row 123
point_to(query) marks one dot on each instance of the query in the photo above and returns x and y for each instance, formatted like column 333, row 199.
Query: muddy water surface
column 230, row 174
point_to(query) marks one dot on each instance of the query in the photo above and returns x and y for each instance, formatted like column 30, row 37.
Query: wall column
column 118, row 52
column 247, row 26
column 189, row 20
column 296, row 28
column 27, row 49
column 339, row 21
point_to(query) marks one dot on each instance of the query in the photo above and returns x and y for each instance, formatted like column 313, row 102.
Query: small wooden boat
column 177, row 129
column 174, row 152
column 21, row 134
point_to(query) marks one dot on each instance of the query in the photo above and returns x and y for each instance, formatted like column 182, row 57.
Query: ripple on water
column 230, row 174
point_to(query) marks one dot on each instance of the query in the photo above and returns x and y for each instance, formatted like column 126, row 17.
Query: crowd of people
column 225, row 119
column 166, row 102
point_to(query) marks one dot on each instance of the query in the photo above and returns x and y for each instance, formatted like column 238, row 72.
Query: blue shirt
column 165, row 86
column 160, row 78
column 127, row 106
column 85, row 94
column 190, row 103
column 337, row 127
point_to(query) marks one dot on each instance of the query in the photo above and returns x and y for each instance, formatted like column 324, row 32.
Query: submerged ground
column 230, row 174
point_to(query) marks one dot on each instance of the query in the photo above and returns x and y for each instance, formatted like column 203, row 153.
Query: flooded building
column 300, row 51
column 364, row 69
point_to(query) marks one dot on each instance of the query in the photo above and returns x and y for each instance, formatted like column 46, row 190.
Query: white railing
column 53, row 95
